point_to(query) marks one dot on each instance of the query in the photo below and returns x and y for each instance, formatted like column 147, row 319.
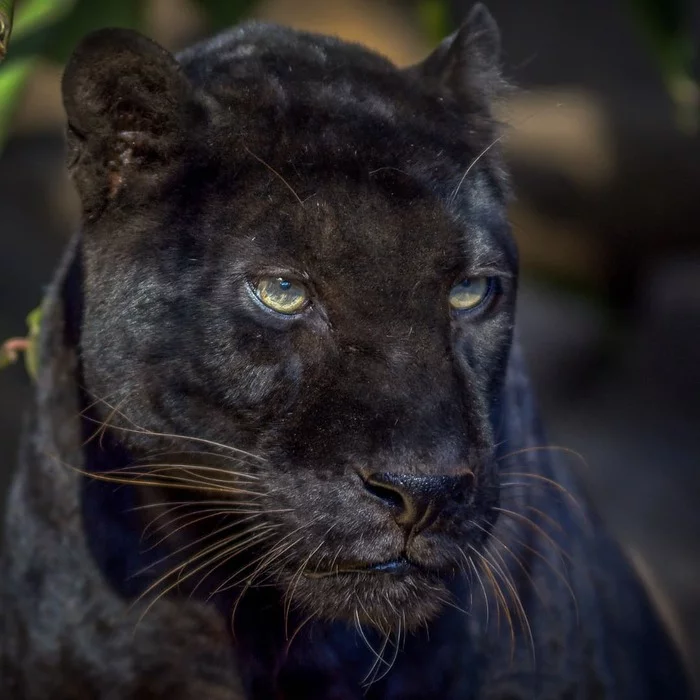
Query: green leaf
column 32, row 19
column 225, row 13
column 435, row 18
column 666, row 27
column 11, row 349
column 31, row 354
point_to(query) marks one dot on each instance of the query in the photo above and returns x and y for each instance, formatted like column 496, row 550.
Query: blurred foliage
column 49, row 29
column 224, row 13
column 436, row 19
column 666, row 27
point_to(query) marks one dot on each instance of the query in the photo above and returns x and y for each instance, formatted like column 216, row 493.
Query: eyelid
column 491, row 272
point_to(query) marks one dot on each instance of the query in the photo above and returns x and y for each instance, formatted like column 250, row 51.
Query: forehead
column 331, row 103
column 359, row 228
column 341, row 156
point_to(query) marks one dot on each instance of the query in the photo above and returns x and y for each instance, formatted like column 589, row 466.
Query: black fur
column 271, row 152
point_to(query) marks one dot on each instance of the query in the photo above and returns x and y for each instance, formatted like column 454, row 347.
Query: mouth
column 389, row 595
column 396, row 567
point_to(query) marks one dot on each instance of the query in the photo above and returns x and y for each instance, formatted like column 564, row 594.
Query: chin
column 389, row 602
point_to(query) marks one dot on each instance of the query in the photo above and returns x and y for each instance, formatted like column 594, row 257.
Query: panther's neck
column 287, row 655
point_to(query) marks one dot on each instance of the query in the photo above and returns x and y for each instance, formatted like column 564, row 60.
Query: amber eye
column 281, row 295
column 470, row 293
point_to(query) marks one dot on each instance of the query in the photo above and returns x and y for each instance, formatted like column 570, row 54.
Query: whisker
column 242, row 476
column 212, row 511
column 371, row 675
column 536, row 527
column 219, row 545
column 520, row 610
column 295, row 582
column 172, row 506
column 200, row 540
column 481, row 583
column 199, row 453
column 274, row 172
column 516, row 558
column 179, row 570
column 297, row 630
column 175, row 476
column 271, row 557
column 191, row 517
column 137, row 429
column 451, row 604
column 358, row 626
column 201, row 516
column 102, row 429
column 453, row 196
column 500, row 598
column 146, row 480
column 549, row 482
column 228, row 554
column 560, row 575
column 542, row 448
column 263, row 561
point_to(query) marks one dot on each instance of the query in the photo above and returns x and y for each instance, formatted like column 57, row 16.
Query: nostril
column 389, row 495
column 415, row 500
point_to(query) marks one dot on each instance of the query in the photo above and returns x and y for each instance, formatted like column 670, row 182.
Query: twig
column 7, row 13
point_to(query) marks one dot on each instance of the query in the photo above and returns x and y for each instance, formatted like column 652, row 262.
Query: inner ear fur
column 125, row 98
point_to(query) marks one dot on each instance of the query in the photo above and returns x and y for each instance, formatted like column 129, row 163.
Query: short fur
column 193, row 453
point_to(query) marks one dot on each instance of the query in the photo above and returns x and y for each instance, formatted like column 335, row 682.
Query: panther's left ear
column 127, row 101
column 467, row 63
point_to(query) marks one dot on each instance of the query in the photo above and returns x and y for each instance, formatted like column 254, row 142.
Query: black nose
column 416, row 500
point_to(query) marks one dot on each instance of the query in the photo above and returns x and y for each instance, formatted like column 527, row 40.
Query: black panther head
column 297, row 259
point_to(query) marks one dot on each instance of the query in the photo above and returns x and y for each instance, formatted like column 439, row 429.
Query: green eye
column 281, row 295
column 469, row 293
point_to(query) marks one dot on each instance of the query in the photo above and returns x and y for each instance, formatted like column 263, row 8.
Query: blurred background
column 603, row 142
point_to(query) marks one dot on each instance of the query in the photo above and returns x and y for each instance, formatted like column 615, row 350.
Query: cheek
column 481, row 351
column 250, row 381
column 273, row 387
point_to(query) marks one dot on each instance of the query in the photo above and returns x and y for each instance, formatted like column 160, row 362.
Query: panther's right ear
column 466, row 64
column 125, row 97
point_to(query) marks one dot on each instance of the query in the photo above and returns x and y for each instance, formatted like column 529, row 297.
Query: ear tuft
column 124, row 97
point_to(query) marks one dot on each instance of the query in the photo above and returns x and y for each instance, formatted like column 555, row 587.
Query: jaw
column 391, row 603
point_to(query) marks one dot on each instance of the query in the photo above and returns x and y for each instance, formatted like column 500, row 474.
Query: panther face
column 299, row 287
